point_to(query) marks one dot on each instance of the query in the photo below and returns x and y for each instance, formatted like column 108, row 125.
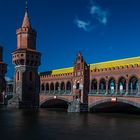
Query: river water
column 59, row 125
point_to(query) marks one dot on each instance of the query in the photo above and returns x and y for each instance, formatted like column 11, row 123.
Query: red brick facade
column 26, row 59
column 94, row 82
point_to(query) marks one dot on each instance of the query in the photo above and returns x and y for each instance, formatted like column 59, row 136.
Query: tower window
column 22, row 55
column 18, row 76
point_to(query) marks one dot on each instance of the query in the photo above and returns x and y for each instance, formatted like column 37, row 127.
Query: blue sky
column 101, row 29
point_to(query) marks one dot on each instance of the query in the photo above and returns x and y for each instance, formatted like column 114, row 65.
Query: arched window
column 52, row 88
column 47, row 87
column 18, row 76
column 94, row 86
column 102, row 86
column 42, row 87
column 62, row 86
column 111, row 86
column 57, row 88
column 122, row 85
column 133, row 85
column 68, row 87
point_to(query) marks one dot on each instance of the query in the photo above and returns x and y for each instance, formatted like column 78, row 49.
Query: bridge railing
column 121, row 92
column 114, row 93
column 95, row 92
column 132, row 92
column 56, row 92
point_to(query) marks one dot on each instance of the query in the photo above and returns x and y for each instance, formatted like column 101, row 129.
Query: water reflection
column 52, row 125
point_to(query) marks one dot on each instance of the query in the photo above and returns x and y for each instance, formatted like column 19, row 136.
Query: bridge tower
column 81, row 79
column 26, row 59
column 3, row 70
column 80, row 85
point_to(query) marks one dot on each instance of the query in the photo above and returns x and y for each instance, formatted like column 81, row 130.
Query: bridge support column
column 116, row 88
column 139, row 86
column 106, row 87
column 97, row 87
column 127, row 87
column 77, row 106
column 74, row 106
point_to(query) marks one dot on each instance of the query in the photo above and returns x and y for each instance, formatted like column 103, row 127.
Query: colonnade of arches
column 56, row 88
column 113, row 86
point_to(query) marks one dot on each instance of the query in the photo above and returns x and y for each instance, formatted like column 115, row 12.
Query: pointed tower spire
column 26, row 21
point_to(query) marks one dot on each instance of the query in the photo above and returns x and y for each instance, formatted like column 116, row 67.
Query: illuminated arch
column 133, row 85
column 111, row 85
column 122, row 85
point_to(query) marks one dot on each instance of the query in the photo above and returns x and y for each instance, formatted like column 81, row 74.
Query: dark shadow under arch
column 121, row 106
column 55, row 103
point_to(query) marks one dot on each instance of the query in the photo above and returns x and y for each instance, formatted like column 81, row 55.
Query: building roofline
column 100, row 65
column 115, row 63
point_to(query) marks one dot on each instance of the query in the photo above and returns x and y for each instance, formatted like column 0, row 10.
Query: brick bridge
column 94, row 100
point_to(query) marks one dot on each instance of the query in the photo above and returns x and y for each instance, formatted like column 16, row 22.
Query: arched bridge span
column 123, row 104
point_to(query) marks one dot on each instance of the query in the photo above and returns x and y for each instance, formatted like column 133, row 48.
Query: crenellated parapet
column 116, row 65
column 26, row 57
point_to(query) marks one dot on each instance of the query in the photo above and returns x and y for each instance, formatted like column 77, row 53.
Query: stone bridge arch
column 54, row 98
column 118, row 100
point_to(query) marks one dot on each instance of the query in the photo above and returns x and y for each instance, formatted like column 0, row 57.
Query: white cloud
column 83, row 24
column 98, row 13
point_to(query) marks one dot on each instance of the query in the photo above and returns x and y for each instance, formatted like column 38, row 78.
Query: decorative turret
column 81, row 78
column 79, row 65
column 26, row 35
column 27, row 60
column 26, row 21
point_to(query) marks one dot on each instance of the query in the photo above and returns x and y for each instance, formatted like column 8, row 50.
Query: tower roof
column 79, row 54
column 26, row 21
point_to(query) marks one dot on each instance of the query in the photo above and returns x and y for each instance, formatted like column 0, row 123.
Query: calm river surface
column 56, row 125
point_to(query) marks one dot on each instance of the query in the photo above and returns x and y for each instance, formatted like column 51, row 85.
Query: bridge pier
column 76, row 106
